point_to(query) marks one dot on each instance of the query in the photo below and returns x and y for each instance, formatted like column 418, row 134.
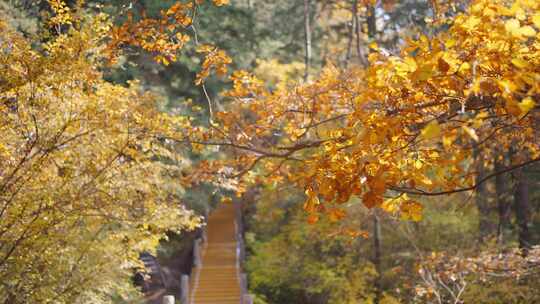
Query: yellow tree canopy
column 408, row 123
column 81, row 192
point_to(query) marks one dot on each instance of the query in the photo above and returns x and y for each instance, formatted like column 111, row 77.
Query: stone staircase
column 217, row 280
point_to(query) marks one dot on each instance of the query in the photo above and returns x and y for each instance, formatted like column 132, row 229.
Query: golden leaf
column 536, row 20
column 512, row 25
column 526, row 105
column 411, row 210
column 527, row 31
column 471, row 132
column 431, row 130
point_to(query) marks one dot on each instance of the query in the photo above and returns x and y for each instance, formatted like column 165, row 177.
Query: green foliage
column 504, row 291
column 318, row 263
column 314, row 267
column 294, row 261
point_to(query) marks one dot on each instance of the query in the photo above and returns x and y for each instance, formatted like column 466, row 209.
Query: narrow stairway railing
column 187, row 296
column 184, row 280
column 197, row 263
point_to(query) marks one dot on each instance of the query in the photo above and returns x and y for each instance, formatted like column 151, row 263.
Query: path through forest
column 217, row 280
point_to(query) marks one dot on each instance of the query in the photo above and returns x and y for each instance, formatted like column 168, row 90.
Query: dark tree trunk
column 359, row 50
column 377, row 251
column 502, row 199
column 371, row 22
column 481, row 198
column 377, row 254
column 522, row 209
column 307, row 34
column 354, row 25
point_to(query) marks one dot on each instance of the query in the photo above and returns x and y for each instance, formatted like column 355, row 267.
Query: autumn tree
column 406, row 124
column 87, row 178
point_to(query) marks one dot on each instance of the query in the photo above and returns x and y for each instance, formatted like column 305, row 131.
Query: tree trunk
column 371, row 22
column 522, row 209
column 481, row 199
column 307, row 35
column 360, row 52
column 354, row 25
column 377, row 254
column 501, row 193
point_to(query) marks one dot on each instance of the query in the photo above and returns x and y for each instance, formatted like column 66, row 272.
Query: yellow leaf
column 161, row 59
column 411, row 210
column 425, row 181
column 471, row 23
column 448, row 141
column 390, row 205
column 424, row 72
column 221, row 2
column 520, row 63
column 205, row 48
column 479, row 119
column 408, row 65
column 464, row 67
column 411, row 63
column 507, row 85
column 536, row 20
column 312, row 202
column 431, row 130
column 527, row 31
column 526, row 105
column 471, row 132
column 511, row 25
column 450, row 43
